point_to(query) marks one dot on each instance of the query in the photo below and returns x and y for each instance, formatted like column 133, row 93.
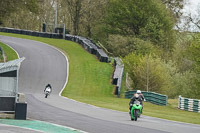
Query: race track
column 43, row 65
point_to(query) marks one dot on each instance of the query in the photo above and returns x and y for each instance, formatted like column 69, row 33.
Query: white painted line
column 65, row 58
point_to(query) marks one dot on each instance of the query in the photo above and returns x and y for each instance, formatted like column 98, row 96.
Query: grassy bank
column 89, row 83
column 9, row 52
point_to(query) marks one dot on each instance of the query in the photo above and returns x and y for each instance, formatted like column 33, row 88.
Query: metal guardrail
column 31, row 33
column 89, row 46
column 118, row 74
column 1, row 54
column 152, row 97
column 188, row 104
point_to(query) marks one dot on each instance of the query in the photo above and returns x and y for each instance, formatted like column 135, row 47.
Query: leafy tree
column 175, row 6
column 183, row 84
column 194, row 56
column 131, row 62
column 75, row 11
column 180, row 54
column 123, row 45
column 146, row 19
column 7, row 7
column 92, row 15
column 194, row 19
column 149, row 73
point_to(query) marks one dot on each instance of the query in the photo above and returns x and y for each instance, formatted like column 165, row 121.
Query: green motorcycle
column 136, row 110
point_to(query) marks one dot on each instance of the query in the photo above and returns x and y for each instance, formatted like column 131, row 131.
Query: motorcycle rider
column 48, row 89
column 137, row 96
column 133, row 99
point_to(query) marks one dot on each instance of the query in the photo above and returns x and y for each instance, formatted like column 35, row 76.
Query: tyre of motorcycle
column 46, row 95
column 135, row 114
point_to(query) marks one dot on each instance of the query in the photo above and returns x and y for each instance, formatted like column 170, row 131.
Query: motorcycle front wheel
column 135, row 114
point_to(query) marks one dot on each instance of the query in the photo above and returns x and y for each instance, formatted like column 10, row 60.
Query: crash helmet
column 138, row 92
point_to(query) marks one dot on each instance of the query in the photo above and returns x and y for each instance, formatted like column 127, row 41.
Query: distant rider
column 48, row 88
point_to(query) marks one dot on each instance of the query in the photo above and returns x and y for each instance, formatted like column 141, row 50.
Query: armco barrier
column 31, row 33
column 118, row 74
column 89, row 46
column 188, row 104
column 152, row 97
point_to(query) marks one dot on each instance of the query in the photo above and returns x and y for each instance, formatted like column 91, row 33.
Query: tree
column 123, row 45
column 149, row 73
column 7, row 7
column 92, row 15
column 187, row 82
column 195, row 57
column 146, row 19
column 74, row 7
column 131, row 62
column 194, row 19
column 175, row 7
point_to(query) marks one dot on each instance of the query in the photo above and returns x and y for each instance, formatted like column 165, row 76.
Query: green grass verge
column 171, row 112
column 9, row 52
column 89, row 83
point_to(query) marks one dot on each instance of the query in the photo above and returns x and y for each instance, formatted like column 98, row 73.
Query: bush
column 123, row 45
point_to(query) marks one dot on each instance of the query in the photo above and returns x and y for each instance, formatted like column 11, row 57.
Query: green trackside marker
column 39, row 125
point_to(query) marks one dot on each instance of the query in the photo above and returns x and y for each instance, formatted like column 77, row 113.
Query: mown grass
column 9, row 52
column 171, row 112
column 89, row 82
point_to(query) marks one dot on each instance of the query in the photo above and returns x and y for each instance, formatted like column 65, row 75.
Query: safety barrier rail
column 152, row 97
column 188, row 104
column 89, row 46
column 1, row 55
column 31, row 33
column 118, row 74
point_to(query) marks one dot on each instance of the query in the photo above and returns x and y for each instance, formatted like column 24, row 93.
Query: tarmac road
column 44, row 64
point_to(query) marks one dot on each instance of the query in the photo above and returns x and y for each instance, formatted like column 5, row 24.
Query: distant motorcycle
column 47, row 92
column 136, row 110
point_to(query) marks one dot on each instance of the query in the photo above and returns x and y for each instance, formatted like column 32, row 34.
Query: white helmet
column 138, row 92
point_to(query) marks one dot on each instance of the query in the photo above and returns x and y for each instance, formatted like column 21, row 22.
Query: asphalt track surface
column 45, row 64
